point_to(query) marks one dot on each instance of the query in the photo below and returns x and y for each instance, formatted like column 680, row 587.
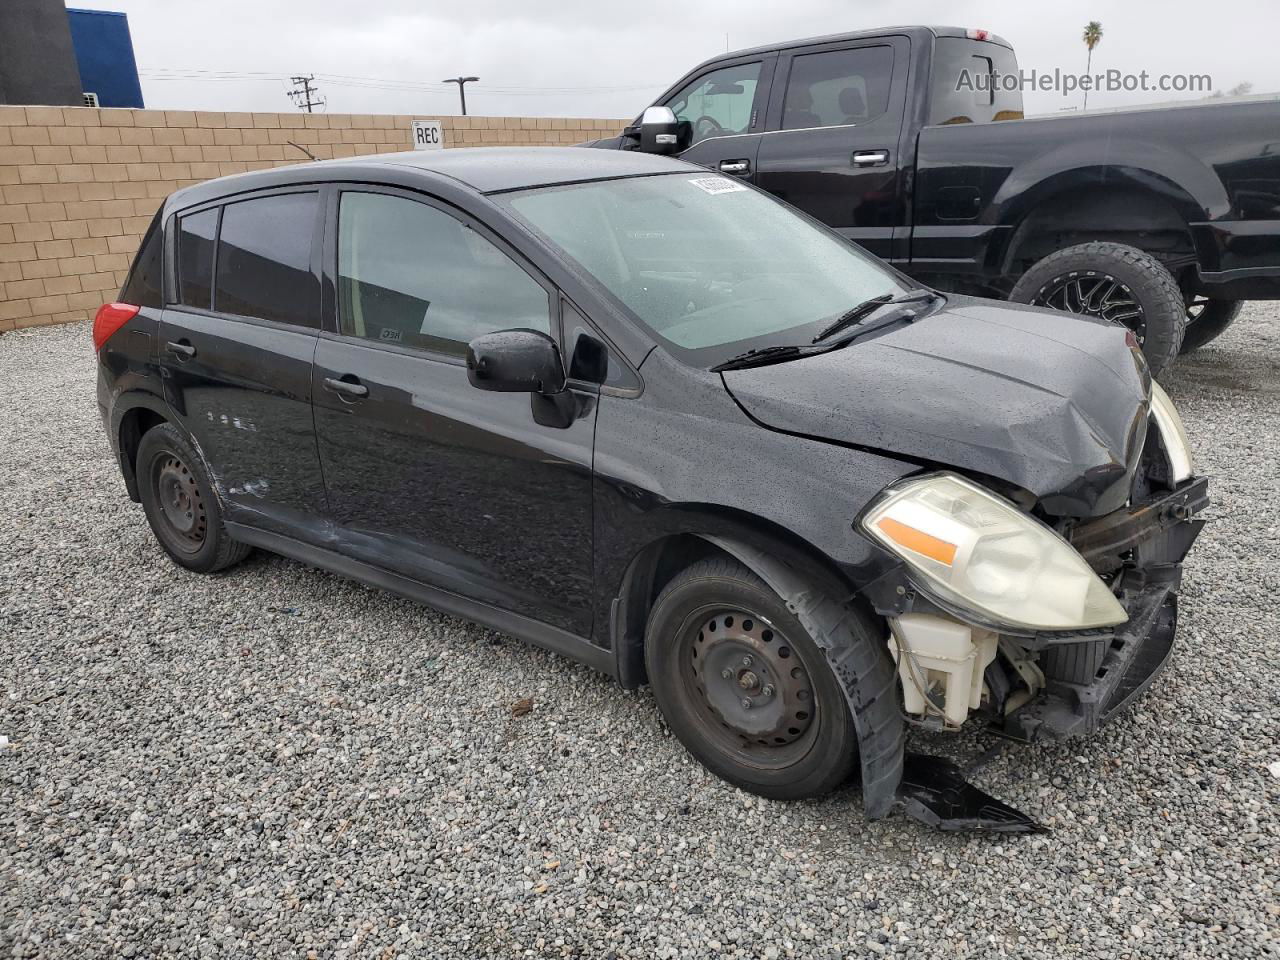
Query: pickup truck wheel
column 1206, row 319
column 745, row 688
column 1118, row 283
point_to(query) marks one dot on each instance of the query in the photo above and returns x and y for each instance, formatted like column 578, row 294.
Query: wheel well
column 133, row 425
column 658, row 563
column 1139, row 219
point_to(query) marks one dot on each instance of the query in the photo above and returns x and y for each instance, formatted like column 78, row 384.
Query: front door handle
column 352, row 388
column 870, row 158
column 739, row 168
column 180, row 348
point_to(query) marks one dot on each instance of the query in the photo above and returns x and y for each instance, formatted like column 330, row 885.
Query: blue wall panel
column 104, row 51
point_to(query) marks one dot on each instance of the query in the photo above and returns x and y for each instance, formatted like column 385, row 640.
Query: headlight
column 983, row 554
column 1172, row 432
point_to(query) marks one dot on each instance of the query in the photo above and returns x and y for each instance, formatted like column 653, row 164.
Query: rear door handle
column 870, row 158
column 739, row 168
column 180, row 349
column 352, row 388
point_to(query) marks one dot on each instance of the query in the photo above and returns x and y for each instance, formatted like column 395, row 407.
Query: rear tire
column 1206, row 320
column 181, row 504
column 1118, row 283
column 719, row 637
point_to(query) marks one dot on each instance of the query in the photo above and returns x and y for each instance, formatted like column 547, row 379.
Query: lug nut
column 746, row 703
column 747, row 660
column 727, row 674
column 768, row 690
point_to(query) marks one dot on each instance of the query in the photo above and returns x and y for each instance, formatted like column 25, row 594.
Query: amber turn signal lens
column 918, row 541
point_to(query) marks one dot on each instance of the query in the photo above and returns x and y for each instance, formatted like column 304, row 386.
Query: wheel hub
column 751, row 680
column 180, row 500
column 1095, row 295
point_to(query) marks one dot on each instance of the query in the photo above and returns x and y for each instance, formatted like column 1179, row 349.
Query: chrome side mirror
column 659, row 130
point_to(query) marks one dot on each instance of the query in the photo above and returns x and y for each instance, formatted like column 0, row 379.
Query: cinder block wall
column 78, row 186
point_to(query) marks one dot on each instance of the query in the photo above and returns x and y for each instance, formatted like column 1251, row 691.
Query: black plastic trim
column 532, row 631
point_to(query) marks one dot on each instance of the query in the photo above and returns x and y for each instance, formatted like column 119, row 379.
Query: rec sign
column 428, row 135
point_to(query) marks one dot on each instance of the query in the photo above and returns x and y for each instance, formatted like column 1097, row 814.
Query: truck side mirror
column 659, row 130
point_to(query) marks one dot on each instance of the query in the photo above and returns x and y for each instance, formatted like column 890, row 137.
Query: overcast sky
column 596, row 59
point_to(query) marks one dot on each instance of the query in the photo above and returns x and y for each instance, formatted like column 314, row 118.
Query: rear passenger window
column 195, row 258
column 142, row 288
column 412, row 275
column 264, row 260
column 838, row 88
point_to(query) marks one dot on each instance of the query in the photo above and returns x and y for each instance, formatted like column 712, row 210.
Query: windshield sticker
column 714, row 185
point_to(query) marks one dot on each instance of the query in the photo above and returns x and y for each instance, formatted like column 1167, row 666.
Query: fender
column 868, row 680
column 122, row 404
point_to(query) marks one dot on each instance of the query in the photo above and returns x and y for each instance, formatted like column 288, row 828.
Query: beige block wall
column 78, row 186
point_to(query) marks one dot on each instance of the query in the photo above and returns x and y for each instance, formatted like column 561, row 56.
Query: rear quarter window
column 196, row 233
column 144, row 288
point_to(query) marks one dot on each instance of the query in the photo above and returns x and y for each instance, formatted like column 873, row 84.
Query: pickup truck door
column 725, row 106
column 831, row 146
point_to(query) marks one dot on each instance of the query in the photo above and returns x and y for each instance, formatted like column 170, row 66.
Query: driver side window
column 718, row 103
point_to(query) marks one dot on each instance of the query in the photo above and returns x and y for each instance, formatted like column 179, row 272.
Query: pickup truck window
column 711, row 266
column 961, row 89
column 838, row 88
column 718, row 103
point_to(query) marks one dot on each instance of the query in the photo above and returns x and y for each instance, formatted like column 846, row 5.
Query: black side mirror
column 659, row 130
column 515, row 361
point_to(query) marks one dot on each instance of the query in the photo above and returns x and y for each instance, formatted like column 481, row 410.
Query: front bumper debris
column 934, row 791
column 1118, row 667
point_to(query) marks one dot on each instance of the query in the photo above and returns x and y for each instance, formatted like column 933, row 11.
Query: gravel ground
column 278, row 762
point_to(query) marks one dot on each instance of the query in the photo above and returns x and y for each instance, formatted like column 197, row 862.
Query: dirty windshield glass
column 709, row 265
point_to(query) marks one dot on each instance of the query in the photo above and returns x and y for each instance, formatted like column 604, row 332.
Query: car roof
column 483, row 169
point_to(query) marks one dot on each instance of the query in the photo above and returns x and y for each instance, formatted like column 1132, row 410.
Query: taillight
column 110, row 318
column 977, row 34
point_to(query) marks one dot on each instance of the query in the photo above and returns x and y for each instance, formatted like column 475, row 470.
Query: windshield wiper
column 867, row 307
column 762, row 356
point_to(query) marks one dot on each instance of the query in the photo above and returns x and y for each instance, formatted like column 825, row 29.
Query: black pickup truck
column 1162, row 218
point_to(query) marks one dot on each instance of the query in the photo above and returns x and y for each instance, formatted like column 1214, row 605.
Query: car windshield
column 709, row 265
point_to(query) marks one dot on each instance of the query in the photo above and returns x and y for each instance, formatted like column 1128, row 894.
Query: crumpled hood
column 1052, row 403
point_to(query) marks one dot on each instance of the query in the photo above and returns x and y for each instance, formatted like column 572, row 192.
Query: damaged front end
column 958, row 664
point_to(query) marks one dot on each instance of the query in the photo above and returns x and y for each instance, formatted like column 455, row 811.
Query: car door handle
column 739, row 168
column 180, row 349
column 870, row 158
column 347, row 388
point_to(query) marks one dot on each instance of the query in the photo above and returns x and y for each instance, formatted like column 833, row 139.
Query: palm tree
column 1092, row 37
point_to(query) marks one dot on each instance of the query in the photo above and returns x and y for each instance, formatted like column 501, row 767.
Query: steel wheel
column 749, row 685
column 181, row 504
column 1096, row 295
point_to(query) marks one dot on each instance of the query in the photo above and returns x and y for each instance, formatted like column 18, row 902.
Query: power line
column 301, row 95
column 344, row 80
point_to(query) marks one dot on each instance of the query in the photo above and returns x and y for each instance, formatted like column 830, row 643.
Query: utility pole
column 462, row 93
column 302, row 96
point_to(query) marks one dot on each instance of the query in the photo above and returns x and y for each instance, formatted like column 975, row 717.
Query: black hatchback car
column 654, row 419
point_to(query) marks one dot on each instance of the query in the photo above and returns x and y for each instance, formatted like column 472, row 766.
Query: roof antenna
column 302, row 148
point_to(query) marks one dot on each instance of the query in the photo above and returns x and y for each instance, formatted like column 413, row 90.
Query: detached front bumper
column 1090, row 677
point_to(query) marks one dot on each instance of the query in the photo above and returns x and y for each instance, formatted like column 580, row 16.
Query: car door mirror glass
column 515, row 361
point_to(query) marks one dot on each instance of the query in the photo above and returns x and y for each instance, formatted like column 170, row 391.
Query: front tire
column 1206, row 320
column 1118, row 283
column 181, row 505
column 744, row 687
